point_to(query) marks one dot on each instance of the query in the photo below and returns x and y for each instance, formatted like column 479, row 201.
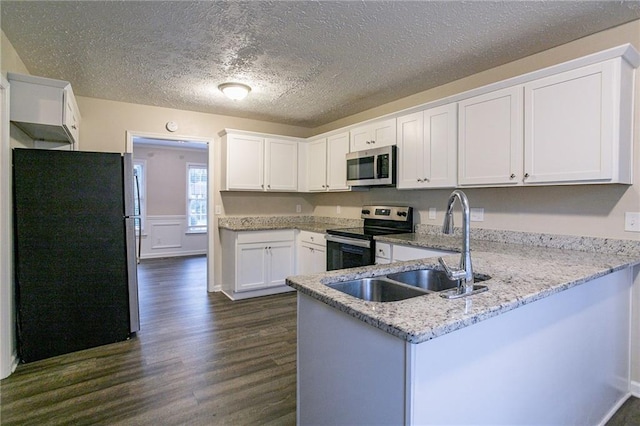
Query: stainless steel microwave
column 372, row 167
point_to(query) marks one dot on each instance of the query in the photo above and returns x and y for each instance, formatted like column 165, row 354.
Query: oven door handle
column 349, row 241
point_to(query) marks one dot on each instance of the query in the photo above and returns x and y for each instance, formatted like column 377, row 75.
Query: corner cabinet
column 373, row 135
column 253, row 162
column 45, row 109
column 427, row 148
column 256, row 263
column 326, row 165
column 571, row 127
column 578, row 125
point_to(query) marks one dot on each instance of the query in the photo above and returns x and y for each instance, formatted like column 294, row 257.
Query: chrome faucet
column 465, row 272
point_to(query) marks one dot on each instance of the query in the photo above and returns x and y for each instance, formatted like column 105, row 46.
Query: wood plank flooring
column 199, row 359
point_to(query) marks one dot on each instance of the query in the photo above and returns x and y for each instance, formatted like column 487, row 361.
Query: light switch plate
column 477, row 214
column 338, row 210
column 432, row 213
column 218, row 209
column 632, row 221
column 298, row 208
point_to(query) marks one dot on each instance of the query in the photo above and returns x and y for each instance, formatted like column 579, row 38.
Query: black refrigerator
column 75, row 257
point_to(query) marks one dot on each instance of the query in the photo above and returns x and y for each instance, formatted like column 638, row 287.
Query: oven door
column 343, row 252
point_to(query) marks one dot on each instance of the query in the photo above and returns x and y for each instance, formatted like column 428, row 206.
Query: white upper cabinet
column 337, row 150
column 326, row 163
column 244, row 162
column 490, row 138
column 317, row 165
column 253, row 162
column 373, row 135
column 427, row 148
column 45, row 109
column 576, row 126
column 281, row 165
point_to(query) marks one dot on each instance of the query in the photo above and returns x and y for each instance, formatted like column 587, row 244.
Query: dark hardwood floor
column 199, row 359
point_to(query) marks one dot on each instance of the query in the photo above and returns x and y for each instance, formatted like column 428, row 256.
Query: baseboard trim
column 613, row 410
column 173, row 254
column 634, row 388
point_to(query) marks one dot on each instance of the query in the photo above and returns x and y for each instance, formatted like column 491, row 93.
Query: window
column 196, row 197
column 139, row 183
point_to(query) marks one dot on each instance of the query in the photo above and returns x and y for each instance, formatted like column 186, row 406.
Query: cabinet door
column 71, row 117
column 317, row 165
column 383, row 133
column 312, row 259
column 441, row 147
column 569, row 126
column 245, row 162
column 251, row 266
column 280, row 262
column 373, row 135
column 337, row 150
column 490, row 138
column 360, row 138
column 411, row 156
column 319, row 263
column 281, row 165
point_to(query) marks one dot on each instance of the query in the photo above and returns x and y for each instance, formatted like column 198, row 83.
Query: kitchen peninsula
column 547, row 344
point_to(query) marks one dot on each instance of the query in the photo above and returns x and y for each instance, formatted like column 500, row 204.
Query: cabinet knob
column 526, row 175
column 425, row 180
column 513, row 176
column 324, row 186
column 268, row 186
column 262, row 185
column 74, row 127
column 419, row 180
column 373, row 141
column 367, row 142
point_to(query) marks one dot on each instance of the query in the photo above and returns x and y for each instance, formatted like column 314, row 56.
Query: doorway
column 175, row 202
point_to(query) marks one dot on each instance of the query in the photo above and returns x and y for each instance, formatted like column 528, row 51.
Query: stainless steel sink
column 377, row 290
column 430, row 279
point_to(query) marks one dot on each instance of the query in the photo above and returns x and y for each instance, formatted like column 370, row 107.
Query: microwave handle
column 378, row 166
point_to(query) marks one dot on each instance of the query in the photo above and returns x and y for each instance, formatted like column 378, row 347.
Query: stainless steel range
column 351, row 247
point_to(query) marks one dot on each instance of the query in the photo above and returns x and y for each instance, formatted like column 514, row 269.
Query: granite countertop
column 520, row 274
column 304, row 223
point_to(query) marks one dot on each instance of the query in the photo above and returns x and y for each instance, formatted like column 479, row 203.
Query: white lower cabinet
column 312, row 253
column 256, row 263
column 383, row 253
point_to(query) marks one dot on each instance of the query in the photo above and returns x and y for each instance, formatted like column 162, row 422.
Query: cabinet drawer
column 313, row 238
column 245, row 237
column 383, row 251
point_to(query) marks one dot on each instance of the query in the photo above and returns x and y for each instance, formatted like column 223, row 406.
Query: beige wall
column 590, row 210
column 166, row 177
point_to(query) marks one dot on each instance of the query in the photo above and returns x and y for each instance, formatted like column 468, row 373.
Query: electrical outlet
column 338, row 210
column 432, row 213
column 632, row 221
column 218, row 209
column 298, row 208
column 477, row 214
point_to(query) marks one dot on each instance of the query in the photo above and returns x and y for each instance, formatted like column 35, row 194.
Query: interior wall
column 166, row 177
column 588, row 210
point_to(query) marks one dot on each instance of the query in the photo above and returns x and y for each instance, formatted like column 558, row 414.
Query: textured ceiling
column 309, row 63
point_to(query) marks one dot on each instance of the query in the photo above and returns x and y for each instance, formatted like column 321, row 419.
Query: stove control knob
column 402, row 214
column 366, row 211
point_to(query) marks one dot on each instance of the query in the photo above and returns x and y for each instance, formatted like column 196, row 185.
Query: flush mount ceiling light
column 235, row 91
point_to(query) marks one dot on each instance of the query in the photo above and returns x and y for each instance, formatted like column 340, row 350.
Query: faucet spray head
column 447, row 225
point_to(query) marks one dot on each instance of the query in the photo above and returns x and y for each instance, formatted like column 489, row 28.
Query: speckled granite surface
column 305, row 223
column 520, row 274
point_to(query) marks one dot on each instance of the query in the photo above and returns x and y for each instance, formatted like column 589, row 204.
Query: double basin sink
column 405, row 285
